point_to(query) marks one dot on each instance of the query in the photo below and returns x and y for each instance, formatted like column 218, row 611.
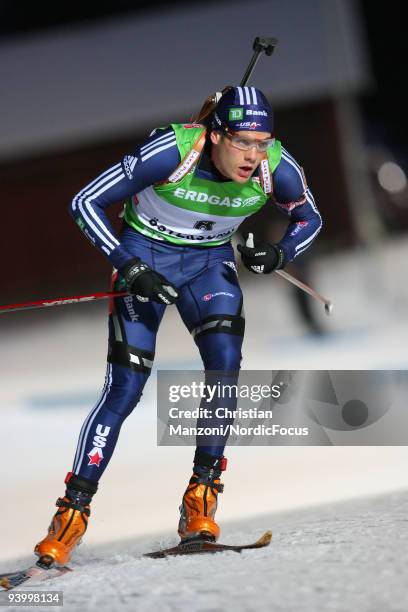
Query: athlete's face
column 233, row 162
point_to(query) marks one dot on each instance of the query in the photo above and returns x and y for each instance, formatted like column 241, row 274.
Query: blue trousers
column 210, row 305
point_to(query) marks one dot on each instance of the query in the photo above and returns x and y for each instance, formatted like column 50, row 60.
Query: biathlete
column 186, row 188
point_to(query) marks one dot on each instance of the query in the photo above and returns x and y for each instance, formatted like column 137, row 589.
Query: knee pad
column 130, row 356
column 219, row 339
column 224, row 324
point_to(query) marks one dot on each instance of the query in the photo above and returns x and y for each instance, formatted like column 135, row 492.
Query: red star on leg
column 95, row 459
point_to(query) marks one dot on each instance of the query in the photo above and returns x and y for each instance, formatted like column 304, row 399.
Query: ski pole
column 328, row 305
column 73, row 299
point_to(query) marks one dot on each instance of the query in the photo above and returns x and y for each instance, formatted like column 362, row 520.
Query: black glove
column 147, row 284
column 262, row 259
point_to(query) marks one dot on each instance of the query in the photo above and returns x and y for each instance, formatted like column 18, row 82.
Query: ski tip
column 5, row 583
column 265, row 539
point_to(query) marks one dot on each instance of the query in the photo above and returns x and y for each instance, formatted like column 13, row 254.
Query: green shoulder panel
column 186, row 135
column 274, row 155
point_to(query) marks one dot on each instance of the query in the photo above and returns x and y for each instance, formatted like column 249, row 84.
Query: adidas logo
column 258, row 269
column 230, row 264
column 129, row 163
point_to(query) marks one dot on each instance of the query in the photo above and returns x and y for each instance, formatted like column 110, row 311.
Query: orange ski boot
column 68, row 524
column 199, row 502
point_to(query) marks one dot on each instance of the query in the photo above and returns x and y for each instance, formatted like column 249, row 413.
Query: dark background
column 384, row 108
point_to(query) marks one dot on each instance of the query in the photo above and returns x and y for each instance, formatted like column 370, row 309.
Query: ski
column 15, row 579
column 194, row 547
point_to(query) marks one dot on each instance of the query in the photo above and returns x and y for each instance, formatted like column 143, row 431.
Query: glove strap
column 134, row 269
column 281, row 256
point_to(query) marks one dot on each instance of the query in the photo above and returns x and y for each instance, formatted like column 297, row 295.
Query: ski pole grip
column 250, row 241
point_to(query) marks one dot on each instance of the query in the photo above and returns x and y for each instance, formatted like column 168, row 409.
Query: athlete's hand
column 262, row 259
column 146, row 284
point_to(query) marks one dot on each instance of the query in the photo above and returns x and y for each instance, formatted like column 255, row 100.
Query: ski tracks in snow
column 341, row 557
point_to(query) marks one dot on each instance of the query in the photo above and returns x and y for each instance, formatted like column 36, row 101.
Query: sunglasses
column 245, row 144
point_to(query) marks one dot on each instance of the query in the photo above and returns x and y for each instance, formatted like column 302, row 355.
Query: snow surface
column 343, row 557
